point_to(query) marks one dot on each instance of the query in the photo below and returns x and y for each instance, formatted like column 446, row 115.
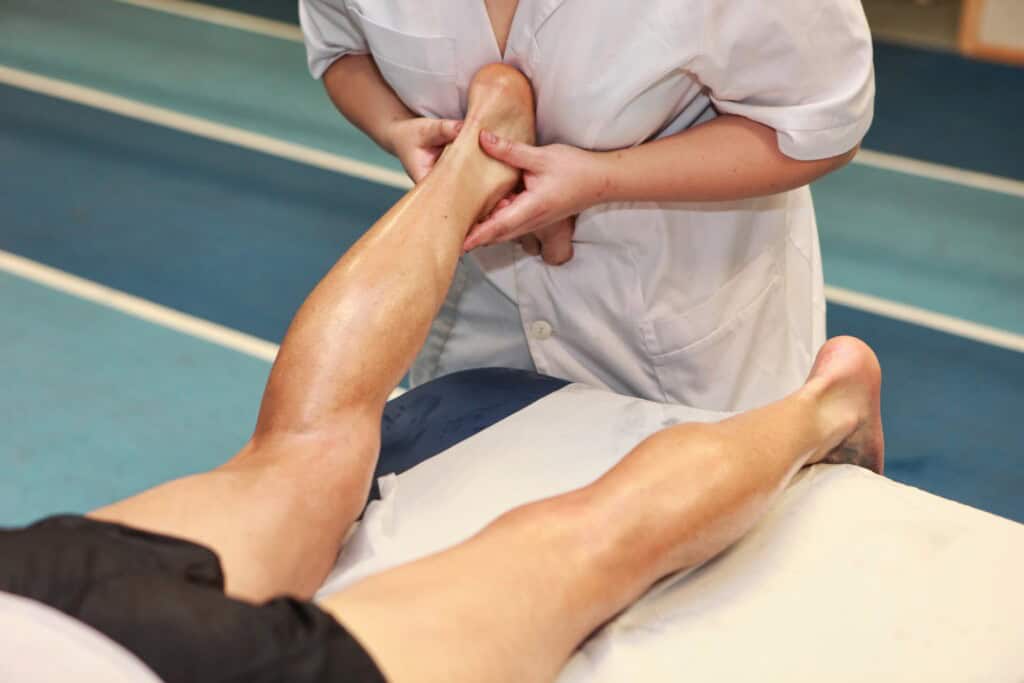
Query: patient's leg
column 277, row 512
column 512, row 603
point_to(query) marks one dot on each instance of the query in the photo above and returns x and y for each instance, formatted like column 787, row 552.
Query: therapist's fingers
column 439, row 132
column 502, row 203
column 518, row 154
column 531, row 245
column 519, row 218
column 556, row 241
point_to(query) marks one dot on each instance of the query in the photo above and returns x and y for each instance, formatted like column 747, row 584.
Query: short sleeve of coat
column 802, row 67
column 329, row 33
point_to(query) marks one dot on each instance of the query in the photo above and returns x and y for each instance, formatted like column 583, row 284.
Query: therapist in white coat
column 676, row 137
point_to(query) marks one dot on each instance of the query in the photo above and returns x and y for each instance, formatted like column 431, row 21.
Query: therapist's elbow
column 843, row 159
column 837, row 162
column 813, row 170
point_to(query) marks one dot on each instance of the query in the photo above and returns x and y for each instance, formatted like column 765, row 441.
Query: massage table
column 850, row 577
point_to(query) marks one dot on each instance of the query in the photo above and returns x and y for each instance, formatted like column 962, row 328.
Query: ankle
column 835, row 413
column 457, row 170
column 477, row 173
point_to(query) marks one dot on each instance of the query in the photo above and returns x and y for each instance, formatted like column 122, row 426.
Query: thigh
column 276, row 514
column 478, row 326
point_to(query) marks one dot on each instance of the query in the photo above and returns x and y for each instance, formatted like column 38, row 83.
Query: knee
column 342, row 453
column 354, row 429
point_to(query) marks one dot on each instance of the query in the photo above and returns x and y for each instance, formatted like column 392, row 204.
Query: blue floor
column 940, row 107
column 943, row 247
column 239, row 237
column 951, row 408
column 97, row 404
column 216, row 231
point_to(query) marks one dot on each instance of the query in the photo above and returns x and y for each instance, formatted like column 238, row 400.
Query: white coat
column 715, row 305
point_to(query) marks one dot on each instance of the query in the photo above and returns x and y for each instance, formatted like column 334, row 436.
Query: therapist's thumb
column 439, row 132
column 556, row 241
column 526, row 157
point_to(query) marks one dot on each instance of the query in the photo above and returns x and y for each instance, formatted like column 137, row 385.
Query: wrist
column 604, row 181
column 388, row 135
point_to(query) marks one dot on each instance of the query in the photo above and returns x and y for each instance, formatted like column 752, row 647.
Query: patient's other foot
column 500, row 101
column 847, row 373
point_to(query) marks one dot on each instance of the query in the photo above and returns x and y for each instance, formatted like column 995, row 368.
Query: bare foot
column 500, row 101
column 847, row 371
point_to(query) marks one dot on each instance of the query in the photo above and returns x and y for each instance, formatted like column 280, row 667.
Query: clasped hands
column 559, row 182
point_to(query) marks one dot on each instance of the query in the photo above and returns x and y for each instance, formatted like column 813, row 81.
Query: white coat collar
column 530, row 16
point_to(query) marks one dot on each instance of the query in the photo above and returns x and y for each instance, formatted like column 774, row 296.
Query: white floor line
column 865, row 157
column 137, row 307
column 308, row 155
column 140, row 308
column 222, row 17
column 259, row 348
column 925, row 318
column 201, row 127
column 360, row 169
column 948, row 174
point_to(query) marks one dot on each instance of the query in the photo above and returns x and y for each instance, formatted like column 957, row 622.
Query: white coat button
column 540, row 330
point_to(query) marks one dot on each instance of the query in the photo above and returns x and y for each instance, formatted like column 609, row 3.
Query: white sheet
column 852, row 577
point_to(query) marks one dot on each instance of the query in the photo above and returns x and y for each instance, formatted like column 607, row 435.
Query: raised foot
column 849, row 370
column 501, row 102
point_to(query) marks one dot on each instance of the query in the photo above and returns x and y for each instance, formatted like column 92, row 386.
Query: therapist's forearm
column 361, row 94
column 725, row 159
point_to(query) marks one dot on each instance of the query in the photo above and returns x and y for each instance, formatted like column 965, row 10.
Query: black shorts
column 163, row 599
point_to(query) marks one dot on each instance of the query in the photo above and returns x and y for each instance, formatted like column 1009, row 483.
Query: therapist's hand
column 552, row 243
column 560, row 181
column 418, row 143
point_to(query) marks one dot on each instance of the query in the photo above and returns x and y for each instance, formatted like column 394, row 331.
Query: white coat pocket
column 734, row 350
column 420, row 69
